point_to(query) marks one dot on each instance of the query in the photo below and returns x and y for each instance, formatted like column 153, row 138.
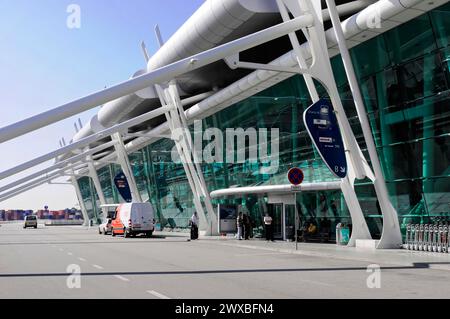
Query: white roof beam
column 160, row 75
column 86, row 141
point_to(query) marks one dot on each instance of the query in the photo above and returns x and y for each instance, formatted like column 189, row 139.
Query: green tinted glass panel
column 370, row 57
column 440, row 18
column 410, row 40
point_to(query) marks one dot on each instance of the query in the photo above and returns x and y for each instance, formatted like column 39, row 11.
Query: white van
column 132, row 219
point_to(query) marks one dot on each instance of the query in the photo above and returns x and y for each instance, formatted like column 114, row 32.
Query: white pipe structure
column 98, row 186
column 260, row 80
column 86, row 141
column 63, row 164
column 40, row 181
column 199, row 33
column 391, row 235
column 160, row 75
column 183, row 140
column 275, row 189
column 76, row 186
column 95, row 125
column 244, row 87
column 124, row 161
column 321, row 70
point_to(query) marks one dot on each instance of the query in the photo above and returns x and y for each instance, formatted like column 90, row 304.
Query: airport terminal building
column 400, row 51
column 404, row 74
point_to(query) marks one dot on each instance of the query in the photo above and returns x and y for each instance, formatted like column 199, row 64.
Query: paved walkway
column 401, row 257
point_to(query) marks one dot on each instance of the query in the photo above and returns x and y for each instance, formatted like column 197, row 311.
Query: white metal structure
column 198, row 44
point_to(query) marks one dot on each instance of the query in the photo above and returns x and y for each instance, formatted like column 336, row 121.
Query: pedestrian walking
column 268, row 225
column 193, row 222
column 240, row 225
column 247, row 226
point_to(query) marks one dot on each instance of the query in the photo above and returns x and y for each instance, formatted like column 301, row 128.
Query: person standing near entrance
column 194, row 226
column 240, row 225
column 268, row 225
column 247, row 226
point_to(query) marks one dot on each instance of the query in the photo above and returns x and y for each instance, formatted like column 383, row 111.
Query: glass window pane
column 410, row 40
column 370, row 57
column 440, row 18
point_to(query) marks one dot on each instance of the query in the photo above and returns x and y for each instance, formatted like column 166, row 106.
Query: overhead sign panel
column 323, row 128
column 123, row 187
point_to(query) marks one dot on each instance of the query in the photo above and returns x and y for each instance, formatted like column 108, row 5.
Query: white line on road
column 70, row 254
column 97, row 266
column 61, row 249
column 314, row 282
column 121, row 278
column 266, row 254
column 81, row 259
column 157, row 294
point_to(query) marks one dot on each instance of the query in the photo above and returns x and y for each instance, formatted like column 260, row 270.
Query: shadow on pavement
column 224, row 271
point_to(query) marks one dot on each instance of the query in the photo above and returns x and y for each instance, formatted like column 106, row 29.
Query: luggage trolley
column 416, row 237
column 434, row 243
column 408, row 237
column 421, row 243
column 445, row 239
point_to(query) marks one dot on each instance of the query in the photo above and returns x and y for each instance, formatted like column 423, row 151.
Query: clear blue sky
column 44, row 64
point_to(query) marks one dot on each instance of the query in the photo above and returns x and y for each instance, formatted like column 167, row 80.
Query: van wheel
column 125, row 233
column 149, row 234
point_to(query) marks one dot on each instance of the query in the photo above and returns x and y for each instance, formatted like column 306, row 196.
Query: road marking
column 81, row 259
column 263, row 254
column 121, row 278
column 61, row 249
column 157, row 294
column 70, row 254
column 318, row 283
column 97, row 266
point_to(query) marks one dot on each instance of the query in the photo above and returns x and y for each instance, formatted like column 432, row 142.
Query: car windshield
column 31, row 217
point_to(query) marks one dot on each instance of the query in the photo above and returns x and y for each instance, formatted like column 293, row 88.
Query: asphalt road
column 39, row 264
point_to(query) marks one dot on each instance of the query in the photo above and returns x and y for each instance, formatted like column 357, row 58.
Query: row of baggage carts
column 428, row 237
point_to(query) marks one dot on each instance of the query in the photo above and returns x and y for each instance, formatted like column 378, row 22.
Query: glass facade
column 404, row 77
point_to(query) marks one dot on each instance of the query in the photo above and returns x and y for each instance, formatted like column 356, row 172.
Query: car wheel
column 112, row 233
column 149, row 234
column 105, row 232
column 99, row 231
column 125, row 233
column 35, row 227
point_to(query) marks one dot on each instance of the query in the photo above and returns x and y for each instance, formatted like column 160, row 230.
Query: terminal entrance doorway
column 283, row 216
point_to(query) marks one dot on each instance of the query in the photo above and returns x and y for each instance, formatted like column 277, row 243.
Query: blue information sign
column 123, row 187
column 323, row 127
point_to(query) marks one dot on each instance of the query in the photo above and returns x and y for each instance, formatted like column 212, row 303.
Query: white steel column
column 122, row 158
column 321, row 70
column 391, row 236
column 173, row 91
column 80, row 198
column 98, row 186
column 185, row 147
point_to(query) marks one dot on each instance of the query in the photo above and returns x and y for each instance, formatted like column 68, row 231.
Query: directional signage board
column 123, row 187
column 323, row 128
